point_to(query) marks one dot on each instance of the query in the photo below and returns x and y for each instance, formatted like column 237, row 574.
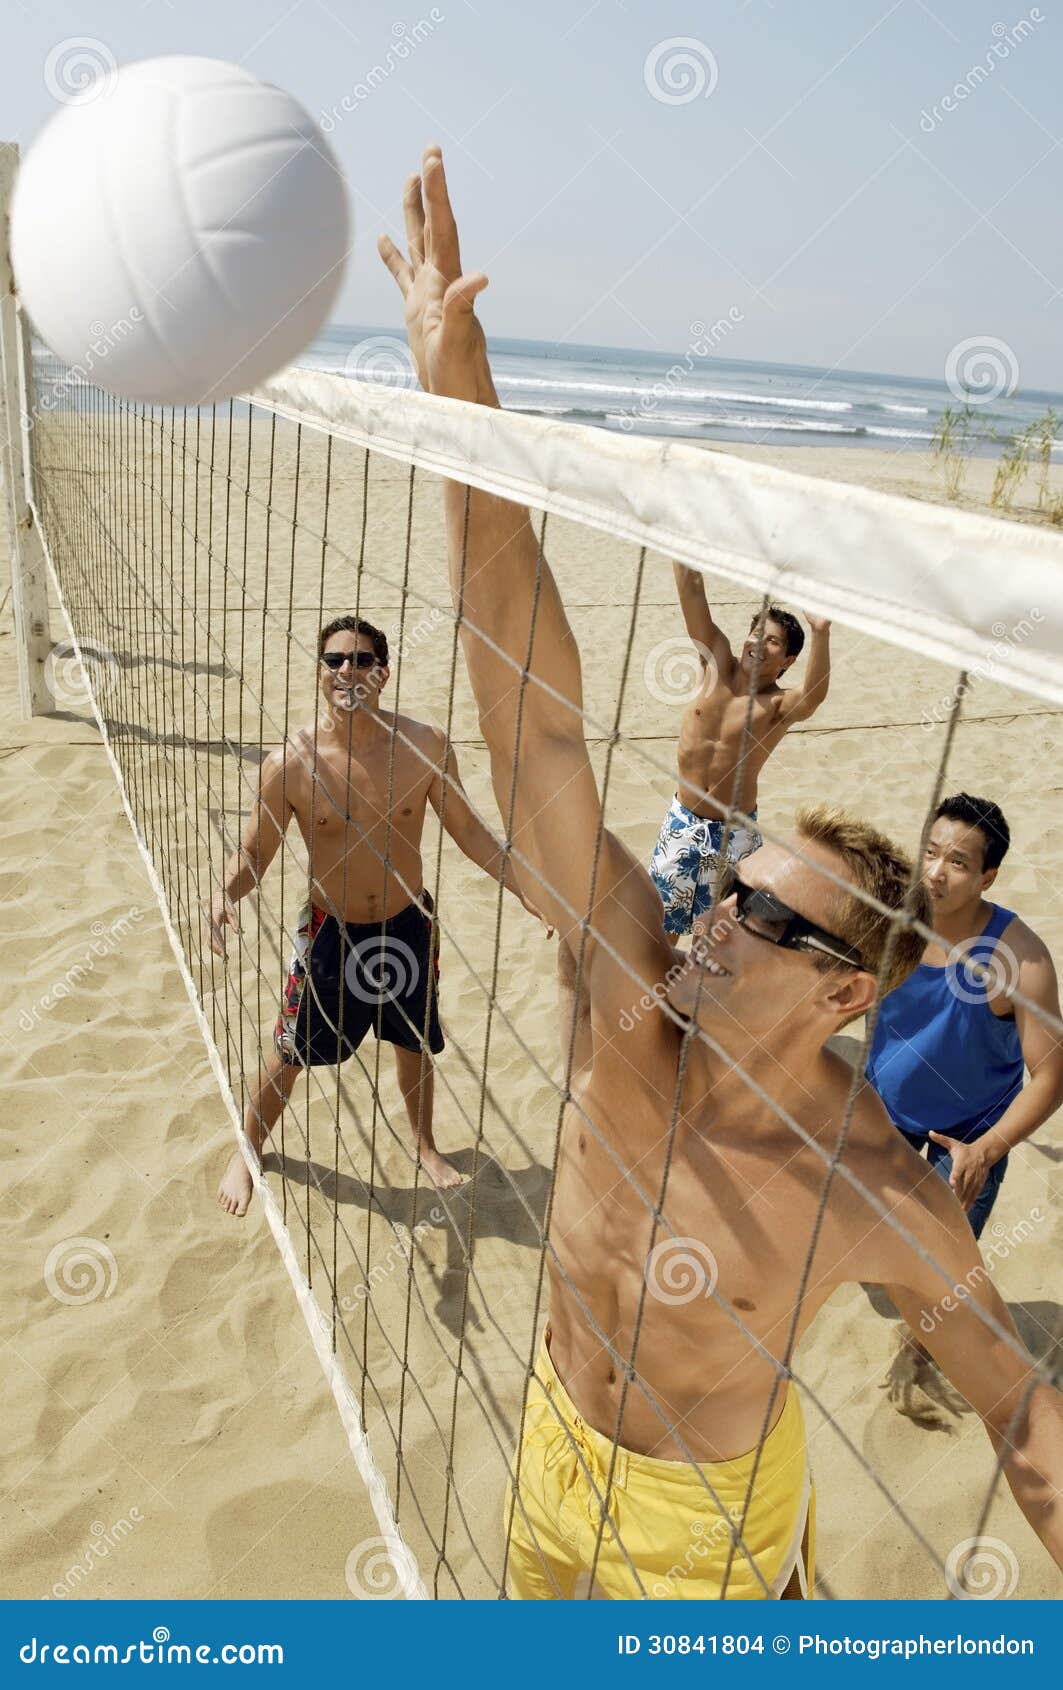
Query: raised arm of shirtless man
column 702, row 1379
column 729, row 729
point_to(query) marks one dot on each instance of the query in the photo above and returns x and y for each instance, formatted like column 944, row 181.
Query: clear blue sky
column 808, row 190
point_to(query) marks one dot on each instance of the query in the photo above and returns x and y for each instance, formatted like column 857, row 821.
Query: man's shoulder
column 411, row 730
column 1025, row 944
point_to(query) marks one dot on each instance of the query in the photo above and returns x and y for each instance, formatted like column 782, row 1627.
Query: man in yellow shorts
column 695, row 1228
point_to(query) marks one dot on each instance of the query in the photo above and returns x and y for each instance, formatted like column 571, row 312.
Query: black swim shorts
column 347, row 979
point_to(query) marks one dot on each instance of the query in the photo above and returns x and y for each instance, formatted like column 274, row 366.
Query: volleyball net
column 196, row 555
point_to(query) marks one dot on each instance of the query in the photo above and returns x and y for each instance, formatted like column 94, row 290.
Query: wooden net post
column 29, row 578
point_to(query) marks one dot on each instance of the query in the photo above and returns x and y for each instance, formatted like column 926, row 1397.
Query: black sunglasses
column 336, row 659
column 766, row 917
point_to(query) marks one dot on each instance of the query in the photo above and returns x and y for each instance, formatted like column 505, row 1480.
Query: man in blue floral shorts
column 729, row 730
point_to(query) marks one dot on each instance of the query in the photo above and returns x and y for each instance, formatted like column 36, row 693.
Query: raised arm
column 259, row 844
column 711, row 641
column 503, row 589
column 801, row 702
column 472, row 836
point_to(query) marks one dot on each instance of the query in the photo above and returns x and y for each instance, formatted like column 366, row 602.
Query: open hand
column 221, row 919
column 970, row 1166
column 446, row 341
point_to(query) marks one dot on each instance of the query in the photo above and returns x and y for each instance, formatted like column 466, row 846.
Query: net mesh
column 198, row 553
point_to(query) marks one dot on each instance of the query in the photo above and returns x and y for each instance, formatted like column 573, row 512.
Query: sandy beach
column 184, row 1386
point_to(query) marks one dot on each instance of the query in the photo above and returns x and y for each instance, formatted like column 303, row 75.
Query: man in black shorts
column 358, row 782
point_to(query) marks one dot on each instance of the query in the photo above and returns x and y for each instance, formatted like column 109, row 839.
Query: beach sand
column 191, row 1392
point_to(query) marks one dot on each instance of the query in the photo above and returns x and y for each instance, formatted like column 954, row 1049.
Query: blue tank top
column 940, row 1060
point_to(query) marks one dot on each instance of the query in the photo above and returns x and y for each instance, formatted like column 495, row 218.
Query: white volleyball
column 179, row 231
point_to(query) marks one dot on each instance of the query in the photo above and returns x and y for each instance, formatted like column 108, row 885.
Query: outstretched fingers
column 413, row 212
column 395, row 262
column 441, row 230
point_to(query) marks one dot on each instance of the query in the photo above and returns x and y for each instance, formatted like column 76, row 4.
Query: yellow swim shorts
column 664, row 1531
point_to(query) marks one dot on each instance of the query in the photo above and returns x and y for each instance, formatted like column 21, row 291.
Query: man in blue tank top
column 950, row 1044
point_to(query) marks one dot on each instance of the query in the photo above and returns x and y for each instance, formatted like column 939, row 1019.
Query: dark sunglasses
column 766, row 917
column 336, row 659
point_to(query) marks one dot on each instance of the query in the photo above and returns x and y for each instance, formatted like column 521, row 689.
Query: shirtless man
column 791, row 959
column 352, row 969
column 686, row 858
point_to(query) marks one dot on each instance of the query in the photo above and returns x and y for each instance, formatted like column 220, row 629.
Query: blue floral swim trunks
column 686, row 860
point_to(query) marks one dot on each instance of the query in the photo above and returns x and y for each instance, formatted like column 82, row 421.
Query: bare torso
column 710, row 744
column 361, row 865
column 748, row 1192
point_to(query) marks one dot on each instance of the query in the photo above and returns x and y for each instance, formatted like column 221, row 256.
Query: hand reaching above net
column 446, row 340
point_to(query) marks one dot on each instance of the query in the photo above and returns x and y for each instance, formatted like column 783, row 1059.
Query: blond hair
column 882, row 871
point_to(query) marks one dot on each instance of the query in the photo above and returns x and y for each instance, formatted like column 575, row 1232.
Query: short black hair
column 795, row 634
column 987, row 817
column 355, row 625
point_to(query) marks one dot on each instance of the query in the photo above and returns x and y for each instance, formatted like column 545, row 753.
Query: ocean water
column 710, row 397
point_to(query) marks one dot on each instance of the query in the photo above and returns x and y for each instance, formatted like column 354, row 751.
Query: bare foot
column 443, row 1174
column 235, row 1190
